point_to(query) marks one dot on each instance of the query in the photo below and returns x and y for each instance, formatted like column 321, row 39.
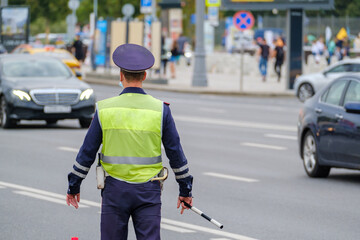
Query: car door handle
column 339, row 116
column 318, row 110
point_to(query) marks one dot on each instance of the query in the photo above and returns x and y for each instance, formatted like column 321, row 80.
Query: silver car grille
column 55, row 96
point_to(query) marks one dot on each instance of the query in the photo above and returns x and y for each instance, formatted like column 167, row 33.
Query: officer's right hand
column 180, row 202
column 73, row 199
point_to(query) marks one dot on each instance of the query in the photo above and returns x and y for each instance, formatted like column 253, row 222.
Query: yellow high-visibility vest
column 132, row 127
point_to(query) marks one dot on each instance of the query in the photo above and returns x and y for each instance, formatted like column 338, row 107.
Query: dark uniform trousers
column 142, row 202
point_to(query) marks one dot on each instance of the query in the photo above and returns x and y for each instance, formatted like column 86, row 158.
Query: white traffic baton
column 216, row 223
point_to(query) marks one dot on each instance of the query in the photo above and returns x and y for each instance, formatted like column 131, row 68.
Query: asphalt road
column 242, row 153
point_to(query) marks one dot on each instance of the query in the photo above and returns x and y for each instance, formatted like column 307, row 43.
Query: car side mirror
column 352, row 107
column 78, row 74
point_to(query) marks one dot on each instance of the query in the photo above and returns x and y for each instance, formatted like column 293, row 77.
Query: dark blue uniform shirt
column 170, row 138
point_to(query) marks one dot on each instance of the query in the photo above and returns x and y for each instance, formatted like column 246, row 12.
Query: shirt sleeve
column 175, row 154
column 86, row 156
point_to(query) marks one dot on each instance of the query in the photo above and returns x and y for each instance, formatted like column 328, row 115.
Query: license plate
column 57, row 109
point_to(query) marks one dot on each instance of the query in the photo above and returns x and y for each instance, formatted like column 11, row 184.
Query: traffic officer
column 130, row 128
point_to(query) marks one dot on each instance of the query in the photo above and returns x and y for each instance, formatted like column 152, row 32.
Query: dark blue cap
column 133, row 58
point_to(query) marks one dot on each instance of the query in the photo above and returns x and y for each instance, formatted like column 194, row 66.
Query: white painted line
column 175, row 229
column 220, row 239
column 207, row 230
column 219, row 175
column 62, row 197
column 281, row 136
column 2, row 187
column 26, row 190
column 49, row 199
column 225, row 122
column 212, row 110
column 258, row 145
column 68, row 149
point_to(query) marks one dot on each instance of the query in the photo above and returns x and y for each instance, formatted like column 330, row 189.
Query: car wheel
column 5, row 121
column 311, row 162
column 51, row 121
column 305, row 91
column 85, row 122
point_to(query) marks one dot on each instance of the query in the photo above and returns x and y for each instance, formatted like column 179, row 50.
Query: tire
column 310, row 158
column 51, row 121
column 5, row 121
column 305, row 91
column 85, row 122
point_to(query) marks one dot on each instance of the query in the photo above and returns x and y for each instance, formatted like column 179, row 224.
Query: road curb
column 161, row 85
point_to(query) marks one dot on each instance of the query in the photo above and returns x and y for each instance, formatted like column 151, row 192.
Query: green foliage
column 39, row 26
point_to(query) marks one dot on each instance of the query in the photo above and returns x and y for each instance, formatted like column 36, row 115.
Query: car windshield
column 59, row 55
column 34, row 68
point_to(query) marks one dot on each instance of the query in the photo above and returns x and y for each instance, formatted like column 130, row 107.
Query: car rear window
column 34, row 68
column 353, row 92
column 335, row 92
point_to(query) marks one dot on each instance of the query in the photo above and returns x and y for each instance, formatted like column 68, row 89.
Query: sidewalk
column 223, row 77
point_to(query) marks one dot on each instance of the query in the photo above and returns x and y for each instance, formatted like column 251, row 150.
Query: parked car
column 329, row 128
column 34, row 87
column 308, row 84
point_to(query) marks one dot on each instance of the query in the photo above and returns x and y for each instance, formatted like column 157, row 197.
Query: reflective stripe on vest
column 132, row 126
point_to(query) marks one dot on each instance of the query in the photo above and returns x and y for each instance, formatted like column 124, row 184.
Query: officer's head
column 133, row 60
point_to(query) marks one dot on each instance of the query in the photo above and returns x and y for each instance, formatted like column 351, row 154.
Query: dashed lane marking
column 225, row 122
column 49, row 199
column 258, row 145
column 60, row 199
column 68, row 149
column 219, row 175
column 281, row 136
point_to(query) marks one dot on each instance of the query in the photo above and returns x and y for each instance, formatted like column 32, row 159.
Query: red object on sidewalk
column 74, row 238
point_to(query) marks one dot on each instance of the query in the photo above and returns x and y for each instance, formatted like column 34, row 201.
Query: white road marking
column 225, row 122
column 219, row 175
column 175, row 229
column 68, row 149
column 28, row 191
column 212, row 110
column 281, row 136
column 207, row 230
column 2, row 187
column 49, row 199
column 258, row 145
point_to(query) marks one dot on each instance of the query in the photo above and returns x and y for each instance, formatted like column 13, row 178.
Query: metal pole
column 241, row 66
column 93, row 64
column 199, row 75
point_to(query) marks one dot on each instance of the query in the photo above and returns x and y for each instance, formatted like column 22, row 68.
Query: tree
column 52, row 11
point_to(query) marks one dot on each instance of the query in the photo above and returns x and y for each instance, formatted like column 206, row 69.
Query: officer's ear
column 144, row 77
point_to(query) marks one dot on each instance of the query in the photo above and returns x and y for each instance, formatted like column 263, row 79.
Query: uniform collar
column 133, row 90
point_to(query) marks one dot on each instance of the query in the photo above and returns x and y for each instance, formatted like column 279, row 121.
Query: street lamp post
column 199, row 74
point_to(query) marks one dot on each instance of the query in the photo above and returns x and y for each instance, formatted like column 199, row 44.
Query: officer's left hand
column 73, row 199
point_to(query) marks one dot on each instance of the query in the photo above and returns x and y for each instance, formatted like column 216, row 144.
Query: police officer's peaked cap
column 133, row 58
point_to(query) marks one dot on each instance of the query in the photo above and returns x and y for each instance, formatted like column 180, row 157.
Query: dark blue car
column 329, row 128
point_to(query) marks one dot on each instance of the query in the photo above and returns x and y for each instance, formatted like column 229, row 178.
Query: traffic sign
column 146, row 6
column 128, row 10
column 243, row 20
column 73, row 4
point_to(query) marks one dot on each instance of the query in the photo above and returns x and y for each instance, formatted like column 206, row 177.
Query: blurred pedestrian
column 263, row 55
column 131, row 128
column 339, row 51
column 165, row 55
column 357, row 45
column 315, row 51
column 182, row 43
column 78, row 48
column 331, row 48
column 279, row 55
column 174, row 58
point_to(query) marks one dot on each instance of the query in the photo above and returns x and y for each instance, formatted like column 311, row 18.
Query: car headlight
column 22, row 95
column 85, row 95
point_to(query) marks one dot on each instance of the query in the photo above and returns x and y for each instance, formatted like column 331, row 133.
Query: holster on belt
column 100, row 174
column 161, row 177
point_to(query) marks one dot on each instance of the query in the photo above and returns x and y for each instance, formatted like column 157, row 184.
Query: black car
column 42, row 88
column 329, row 128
